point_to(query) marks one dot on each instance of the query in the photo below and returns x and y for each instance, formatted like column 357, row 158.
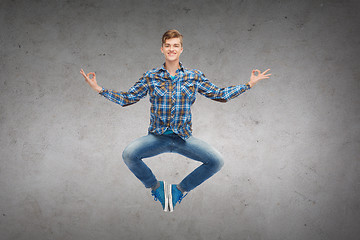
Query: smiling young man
column 172, row 90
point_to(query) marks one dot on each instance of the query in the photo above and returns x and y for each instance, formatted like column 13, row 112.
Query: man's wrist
column 98, row 89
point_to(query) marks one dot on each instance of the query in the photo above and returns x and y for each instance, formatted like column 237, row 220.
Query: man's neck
column 172, row 67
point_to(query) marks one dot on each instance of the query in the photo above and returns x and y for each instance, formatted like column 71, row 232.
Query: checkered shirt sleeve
column 209, row 90
column 135, row 93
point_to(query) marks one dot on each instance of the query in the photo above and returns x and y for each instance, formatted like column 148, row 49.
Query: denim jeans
column 193, row 148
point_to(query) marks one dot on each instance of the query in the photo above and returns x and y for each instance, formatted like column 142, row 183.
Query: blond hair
column 171, row 34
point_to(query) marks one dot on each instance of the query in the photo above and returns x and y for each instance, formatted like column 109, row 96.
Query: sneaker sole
column 166, row 198
column 171, row 207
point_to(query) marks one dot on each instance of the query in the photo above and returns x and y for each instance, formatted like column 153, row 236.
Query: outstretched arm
column 211, row 91
column 91, row 81
column 135, row 93
column 256, row 76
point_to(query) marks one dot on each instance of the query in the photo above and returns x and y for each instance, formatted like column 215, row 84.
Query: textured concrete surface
column 291, row 144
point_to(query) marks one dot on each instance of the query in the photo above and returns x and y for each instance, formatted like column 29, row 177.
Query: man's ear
column 161, row 49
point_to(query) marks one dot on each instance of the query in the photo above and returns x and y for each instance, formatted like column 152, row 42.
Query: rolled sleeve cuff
column 102, row 91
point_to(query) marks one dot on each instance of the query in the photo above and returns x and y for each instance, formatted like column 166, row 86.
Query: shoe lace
column 181, row 198
column 154, row 195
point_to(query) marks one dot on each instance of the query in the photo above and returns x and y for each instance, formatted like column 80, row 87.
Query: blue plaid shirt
column 171, row 98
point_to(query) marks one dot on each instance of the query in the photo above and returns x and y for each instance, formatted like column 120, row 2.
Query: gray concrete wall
column 291, row 144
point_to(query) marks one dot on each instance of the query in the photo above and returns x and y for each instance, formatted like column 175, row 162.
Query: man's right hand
column 91, row 81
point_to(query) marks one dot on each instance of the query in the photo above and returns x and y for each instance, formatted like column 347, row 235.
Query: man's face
column 172, row 49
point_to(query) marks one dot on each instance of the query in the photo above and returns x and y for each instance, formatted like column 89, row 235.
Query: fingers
column 266, row 71
column 257, row 72
column 82, row 72
column 91, row 74
column 264, row 75
column 257, row 75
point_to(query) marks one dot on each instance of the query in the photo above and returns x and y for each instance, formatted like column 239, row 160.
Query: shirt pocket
column 188, row 90
column 160, row 89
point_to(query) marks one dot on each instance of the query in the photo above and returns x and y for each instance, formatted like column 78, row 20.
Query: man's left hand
column 257, row 75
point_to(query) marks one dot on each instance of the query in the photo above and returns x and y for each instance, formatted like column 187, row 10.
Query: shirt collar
column 180, row 68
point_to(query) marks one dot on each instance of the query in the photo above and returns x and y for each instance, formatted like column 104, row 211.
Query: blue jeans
column 152, row 145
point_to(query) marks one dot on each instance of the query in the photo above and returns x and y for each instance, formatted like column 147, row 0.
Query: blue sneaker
column 161, row 194
column 175, row 196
